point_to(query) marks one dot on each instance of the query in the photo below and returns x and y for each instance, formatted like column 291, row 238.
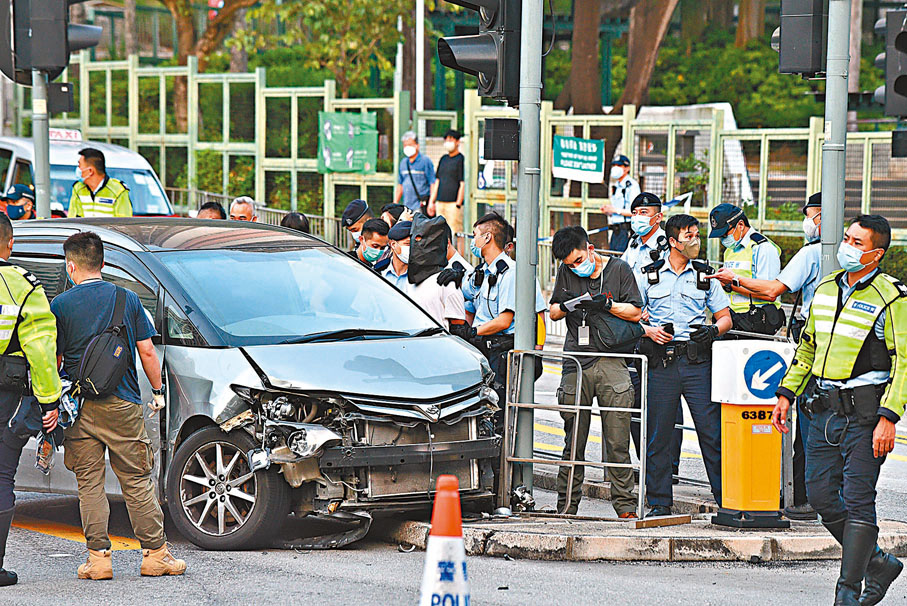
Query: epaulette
column 758, row 238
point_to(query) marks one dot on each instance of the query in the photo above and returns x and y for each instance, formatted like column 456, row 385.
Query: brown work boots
column 155, row 563
column 98, row 567
column 158, row 562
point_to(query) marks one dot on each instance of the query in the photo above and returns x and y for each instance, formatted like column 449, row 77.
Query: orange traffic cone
column 444, row 580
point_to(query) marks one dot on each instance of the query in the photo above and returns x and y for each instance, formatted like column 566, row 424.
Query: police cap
column 722, row 218
column 17, row 192
column 621, row 160
column 400, row 231
column 645, row 199
column 354, row 211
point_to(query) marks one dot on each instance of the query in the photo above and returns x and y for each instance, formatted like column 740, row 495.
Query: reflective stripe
column 741, row 263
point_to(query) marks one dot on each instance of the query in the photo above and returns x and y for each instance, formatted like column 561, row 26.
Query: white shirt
column 442, row 303
column 458, row 258
column 625, row 192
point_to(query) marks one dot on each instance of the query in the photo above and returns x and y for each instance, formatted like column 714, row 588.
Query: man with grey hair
column 415, row 177
column 243, row 209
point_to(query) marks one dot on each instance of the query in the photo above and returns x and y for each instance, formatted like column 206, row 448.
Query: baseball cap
column 354, row 211
column 621, row 160
column 18, row 191
column 400, row 231
column 722, row 218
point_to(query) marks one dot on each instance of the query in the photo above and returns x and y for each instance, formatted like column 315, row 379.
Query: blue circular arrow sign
column 763, row 373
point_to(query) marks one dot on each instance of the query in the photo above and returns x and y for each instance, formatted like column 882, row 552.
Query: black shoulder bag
column 107, row 357
column 611, row 334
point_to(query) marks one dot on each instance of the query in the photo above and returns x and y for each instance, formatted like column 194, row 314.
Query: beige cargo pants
column 115, row 426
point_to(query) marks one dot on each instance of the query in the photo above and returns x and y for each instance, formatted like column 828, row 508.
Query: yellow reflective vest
column 111, row 200
column 839, row 341
column 28, row 327
column 741, row 262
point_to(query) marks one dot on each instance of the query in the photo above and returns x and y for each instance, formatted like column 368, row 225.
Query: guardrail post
column 84, row 89
column 471, row 104
column 260, row 130
column 716, row 160
column 629, row 116
column 191, row 125
column 133, row 102
column 814, row 156
column 330, row 93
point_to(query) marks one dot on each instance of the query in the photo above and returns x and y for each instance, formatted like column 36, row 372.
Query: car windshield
column 264, row 297
column 144, row 190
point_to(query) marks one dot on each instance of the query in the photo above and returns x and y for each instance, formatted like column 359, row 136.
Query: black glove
column 464, row 331
column 599, row 303
column 453, row 274
column 704, row 335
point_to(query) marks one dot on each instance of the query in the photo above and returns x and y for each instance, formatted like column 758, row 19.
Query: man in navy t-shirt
column 111, row 423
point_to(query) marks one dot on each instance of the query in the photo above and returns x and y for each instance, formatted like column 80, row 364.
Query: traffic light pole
column 527, row 225
column 41, row 137
column 834, row 150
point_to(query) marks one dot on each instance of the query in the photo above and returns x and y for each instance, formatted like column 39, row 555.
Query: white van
column 17, row 167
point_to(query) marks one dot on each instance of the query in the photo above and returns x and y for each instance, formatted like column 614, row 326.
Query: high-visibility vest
column 111, row 200
column 741, row 262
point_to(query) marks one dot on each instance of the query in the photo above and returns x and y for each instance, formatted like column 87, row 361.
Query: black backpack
column 107, row 357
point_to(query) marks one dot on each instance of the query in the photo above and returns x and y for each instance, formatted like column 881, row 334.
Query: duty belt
column 843, row 401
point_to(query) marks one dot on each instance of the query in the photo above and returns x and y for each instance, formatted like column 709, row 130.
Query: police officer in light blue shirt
column 678, row 344
column 648, row 242
column 398, row 238
column 623, row 192
column 801, row 275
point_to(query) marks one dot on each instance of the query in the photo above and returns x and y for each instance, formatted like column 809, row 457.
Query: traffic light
column 893, row 94
column 36, row 34
column 801, row 38
column 492, row 55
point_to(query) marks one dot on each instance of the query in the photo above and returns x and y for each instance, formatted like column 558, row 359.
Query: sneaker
column 158, row 562
column 803, row 512
column 659, row 510
column 628, row 515
column 97, row 567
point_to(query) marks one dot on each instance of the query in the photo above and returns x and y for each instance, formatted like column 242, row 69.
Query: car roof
column 67, row 152
column 141, row 234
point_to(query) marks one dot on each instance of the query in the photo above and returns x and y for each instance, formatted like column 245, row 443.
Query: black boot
column 836, row 529
column 858, row 546
column 7, row 577
column 881, row 572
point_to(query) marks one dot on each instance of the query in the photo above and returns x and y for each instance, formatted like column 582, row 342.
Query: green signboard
column 578, row 159
column 347, row 142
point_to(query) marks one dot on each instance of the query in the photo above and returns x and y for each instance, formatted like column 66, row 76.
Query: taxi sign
column 65, row 134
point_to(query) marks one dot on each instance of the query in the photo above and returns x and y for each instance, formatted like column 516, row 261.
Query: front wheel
column 214, row 498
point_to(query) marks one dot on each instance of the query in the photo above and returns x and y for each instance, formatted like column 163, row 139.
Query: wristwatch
column 158, row 392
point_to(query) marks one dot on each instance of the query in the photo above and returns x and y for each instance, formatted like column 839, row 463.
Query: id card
column 583, row 335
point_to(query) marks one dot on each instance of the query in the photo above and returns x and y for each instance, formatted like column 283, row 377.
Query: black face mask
column 428, row 248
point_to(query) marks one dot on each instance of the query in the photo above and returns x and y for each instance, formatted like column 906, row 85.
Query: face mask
column 404, row 254
column 78, row 174
column 409, row 151
column 586, row 268
column 69, row 277
column 729, row 241
column 640, row 224
column 850, row 257
column 810, row 229
column 450, row 145
column 372, row 254
column 476, row 250
column 690, row 248
column 616, row 172
column 356, row 235
column 15, row 212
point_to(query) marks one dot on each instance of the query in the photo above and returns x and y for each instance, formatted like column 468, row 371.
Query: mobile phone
column 668, row 328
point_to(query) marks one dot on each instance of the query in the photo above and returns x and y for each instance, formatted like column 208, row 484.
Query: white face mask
column 403, row 255
column 409, row 151
column 356, row 235
column 450, row 145
column 810, row 228
column 616, row 172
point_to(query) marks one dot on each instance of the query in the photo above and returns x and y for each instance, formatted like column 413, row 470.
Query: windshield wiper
column 427, row 332
column 344, row 334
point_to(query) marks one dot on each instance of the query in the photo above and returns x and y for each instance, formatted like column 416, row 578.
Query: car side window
column 22, row 175
column 50, row 272
column 6, row 158
column 179, row 329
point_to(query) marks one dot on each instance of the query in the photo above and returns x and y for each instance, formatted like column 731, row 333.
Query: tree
column 750, row 21
column 345, row 37
column 239, row 58
column 649, row 22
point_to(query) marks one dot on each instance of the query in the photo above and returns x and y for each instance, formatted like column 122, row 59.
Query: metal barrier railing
column 516, row 360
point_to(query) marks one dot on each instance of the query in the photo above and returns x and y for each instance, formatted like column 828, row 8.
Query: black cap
column 19, row 191
column 722, row 218
column 645, row 199
column 354, row 211
column 815, row 201
column 395, row 210
column 621, row 160
column 400, row 231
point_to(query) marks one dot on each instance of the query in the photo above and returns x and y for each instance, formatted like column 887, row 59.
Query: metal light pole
column 527, row 225
column 41, row 138
column 834, row 150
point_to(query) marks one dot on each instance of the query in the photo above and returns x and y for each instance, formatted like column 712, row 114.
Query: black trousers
column 13, row 440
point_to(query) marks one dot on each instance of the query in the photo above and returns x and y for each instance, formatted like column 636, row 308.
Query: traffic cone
column 444, row 580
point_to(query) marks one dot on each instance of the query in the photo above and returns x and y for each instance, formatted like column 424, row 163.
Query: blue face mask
column 78, row 174
column 15, row 212
column 476, row 251
column 585, row 269
column 850, row 258
column 640, row 224
column 729, row 242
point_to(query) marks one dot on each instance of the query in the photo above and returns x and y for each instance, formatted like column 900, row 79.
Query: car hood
column 412, row 368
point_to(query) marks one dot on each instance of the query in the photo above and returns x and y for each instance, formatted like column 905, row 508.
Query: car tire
column 223, row 505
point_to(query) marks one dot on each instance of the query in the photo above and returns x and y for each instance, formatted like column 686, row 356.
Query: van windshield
column 144, row 190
